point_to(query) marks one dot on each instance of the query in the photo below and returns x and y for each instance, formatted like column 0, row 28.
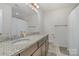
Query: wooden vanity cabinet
column 17, row 55
column 47, row 46
column 37, row 53
column 29, row 51
column 38, row 49
column 43, row 49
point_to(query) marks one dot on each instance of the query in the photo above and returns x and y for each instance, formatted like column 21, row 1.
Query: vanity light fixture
column 37, row 6
column 34, row 9
column 35, row 3
column 34, row 6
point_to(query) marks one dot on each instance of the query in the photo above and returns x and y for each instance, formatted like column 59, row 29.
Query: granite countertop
column 7, row 48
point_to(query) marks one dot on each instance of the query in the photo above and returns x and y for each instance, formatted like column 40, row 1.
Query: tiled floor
column 57, row 51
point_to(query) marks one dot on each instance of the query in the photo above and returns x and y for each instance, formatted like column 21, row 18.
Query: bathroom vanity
column 32, row 45
column 39, row 48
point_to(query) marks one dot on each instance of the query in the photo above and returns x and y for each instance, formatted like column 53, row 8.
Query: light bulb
column 37, row 6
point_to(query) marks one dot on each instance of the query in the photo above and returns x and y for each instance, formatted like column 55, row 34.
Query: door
column 60, row 36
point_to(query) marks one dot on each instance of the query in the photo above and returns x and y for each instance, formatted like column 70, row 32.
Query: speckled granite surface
column 7, row 48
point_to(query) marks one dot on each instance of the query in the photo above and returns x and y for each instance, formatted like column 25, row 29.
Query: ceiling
column 53, row 6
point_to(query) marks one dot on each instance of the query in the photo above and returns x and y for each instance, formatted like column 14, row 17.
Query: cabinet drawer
column 43, row 49
column 47, row 46
column 42, row 40
column 29, row 51
column 37, row 53
column 47, row 42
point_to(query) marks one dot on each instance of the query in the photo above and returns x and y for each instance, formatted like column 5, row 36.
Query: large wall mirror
column 19, row 20
column 24, row 20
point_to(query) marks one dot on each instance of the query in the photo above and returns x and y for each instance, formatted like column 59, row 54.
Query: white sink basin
column 20, row 41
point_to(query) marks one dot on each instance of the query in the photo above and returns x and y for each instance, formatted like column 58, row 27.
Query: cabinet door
column 47, row 46
column 37, row 53
column 43, row 40
column 43, row 50
column 29, row 51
